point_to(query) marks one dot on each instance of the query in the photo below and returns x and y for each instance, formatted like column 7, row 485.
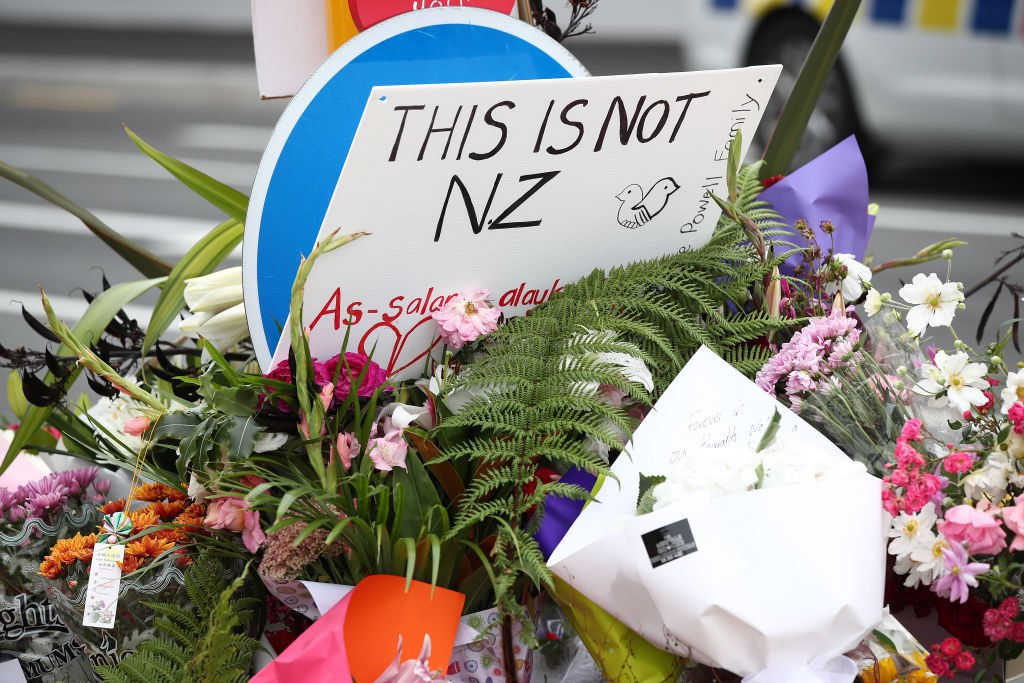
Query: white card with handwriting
column 517, row 188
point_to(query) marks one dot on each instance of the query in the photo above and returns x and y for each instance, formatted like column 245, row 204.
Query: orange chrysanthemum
column 167, row 511
column 174, row 535
column 143, row 519
column 174, row 495
column 130, row 564
column 190, row 524
column 151, row 492
column 113, row 506
column 68, row 550
column 148, row 546
column 50, row 568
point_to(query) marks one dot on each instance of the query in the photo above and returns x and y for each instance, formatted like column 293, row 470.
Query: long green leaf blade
column 139, row 257
column 201, row 259
column 796, row 112
column 227, row 199
column 96, row 317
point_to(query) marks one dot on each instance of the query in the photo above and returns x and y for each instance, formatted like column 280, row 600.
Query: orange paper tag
column 380, row 611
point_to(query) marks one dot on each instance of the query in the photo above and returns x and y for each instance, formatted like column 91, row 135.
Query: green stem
column 796, row 112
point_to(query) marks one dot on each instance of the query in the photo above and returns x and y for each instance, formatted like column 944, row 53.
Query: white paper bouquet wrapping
column 772, row 584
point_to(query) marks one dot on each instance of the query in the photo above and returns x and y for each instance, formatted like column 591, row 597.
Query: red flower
column 768, row 182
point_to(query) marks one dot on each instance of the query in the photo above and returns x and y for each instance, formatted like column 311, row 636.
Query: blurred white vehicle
column 942, row 76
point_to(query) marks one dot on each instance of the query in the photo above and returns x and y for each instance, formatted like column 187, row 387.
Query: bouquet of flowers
column 715, row 501
column 159, row 542
column 953, row 482
column 32, row 517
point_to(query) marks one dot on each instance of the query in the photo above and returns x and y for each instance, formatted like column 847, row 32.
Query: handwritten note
column 104, row 583
column 708, row 405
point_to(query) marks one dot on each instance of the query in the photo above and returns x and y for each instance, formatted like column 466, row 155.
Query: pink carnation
column 979, row 530
column 466, row 317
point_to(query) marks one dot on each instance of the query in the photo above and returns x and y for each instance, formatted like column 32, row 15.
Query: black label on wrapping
column 670, row 542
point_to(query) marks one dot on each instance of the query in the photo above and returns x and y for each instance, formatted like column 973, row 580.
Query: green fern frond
column 195, row 643
column 538, row 377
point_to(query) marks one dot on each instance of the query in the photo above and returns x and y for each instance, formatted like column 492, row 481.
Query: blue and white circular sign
column 303, row 161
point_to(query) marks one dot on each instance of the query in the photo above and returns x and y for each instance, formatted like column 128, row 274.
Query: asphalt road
column 65, row 94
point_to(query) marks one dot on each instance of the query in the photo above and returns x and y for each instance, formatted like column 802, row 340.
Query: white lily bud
column 214, row 292
column 223, row 329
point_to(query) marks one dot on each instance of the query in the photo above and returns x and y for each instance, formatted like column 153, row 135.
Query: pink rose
column 225, row 513
column 136, row 426
column 354, row 363
column 979, row 530
column 252, row 533
column 1013, row 517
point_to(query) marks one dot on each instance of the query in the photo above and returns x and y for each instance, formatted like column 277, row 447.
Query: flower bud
column 995, row 360
column 902, row 371
column 947, row 254
column 886, row 297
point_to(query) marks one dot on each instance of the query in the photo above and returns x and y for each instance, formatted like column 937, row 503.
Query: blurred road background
column 181, row 75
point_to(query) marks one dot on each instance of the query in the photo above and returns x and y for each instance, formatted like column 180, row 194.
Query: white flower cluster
column 918, row 546
column 713, row 473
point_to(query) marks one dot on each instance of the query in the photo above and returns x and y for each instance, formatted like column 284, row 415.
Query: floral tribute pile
column 327, row 521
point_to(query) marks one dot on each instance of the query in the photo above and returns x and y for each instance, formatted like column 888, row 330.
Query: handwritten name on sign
column 517, row 188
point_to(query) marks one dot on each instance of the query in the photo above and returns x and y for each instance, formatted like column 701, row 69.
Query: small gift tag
column 104, row 583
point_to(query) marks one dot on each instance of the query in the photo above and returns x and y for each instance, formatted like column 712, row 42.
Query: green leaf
column 92, row 323
column 201, row 259
column 796, row 112
column 143, row 260
column 420, row 494
column 733, row 166
column 15, row 395
column 769, row 433
column 645, row 500
column 227, row 199
column 241, row 432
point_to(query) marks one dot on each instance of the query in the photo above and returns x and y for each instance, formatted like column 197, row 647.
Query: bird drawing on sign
column 639, row 208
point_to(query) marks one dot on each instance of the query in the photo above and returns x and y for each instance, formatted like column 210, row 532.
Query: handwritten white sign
column 517, row 188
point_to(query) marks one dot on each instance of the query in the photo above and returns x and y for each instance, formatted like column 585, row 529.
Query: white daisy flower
column 1013, row 391
column 962, row 381
column 934, row 302
column 857, row 274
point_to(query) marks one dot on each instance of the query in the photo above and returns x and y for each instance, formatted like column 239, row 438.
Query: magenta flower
column 349, row 373
column 959, row 574
column 466, row 317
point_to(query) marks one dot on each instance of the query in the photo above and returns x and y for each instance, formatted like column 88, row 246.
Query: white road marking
column 166, row 235
column 68, row 308
column 118, row 164
column 959, row 222
column 223, row 136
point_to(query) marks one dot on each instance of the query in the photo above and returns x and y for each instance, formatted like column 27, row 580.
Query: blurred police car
column 945, row 76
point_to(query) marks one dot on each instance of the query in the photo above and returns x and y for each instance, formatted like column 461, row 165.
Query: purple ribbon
column 560, row 513
column 832, row 187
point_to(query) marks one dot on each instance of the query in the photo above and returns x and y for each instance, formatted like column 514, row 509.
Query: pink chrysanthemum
column 805, row 363
column 466, row 317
